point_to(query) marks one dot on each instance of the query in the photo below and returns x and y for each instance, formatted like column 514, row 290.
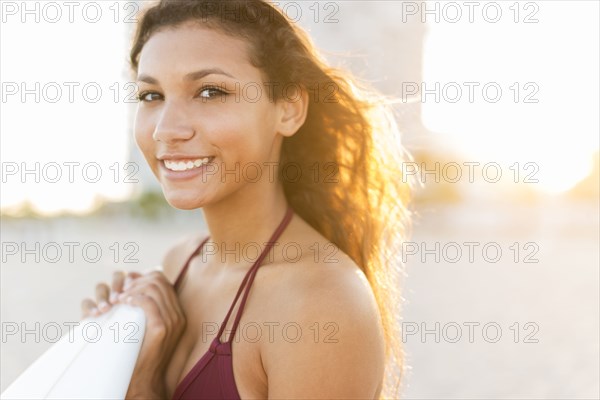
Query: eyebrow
column 192, row 76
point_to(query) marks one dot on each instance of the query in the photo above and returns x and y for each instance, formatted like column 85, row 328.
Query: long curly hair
column 350, row 141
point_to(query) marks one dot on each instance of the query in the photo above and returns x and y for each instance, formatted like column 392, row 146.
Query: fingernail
column 122, row 296
column 126, row 283
column 129, row 299
column 95, row 311
column 103, row 306
column 113, row 297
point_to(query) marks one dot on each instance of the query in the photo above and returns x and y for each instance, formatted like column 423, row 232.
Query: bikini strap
column 251, row 274
column 187, row 263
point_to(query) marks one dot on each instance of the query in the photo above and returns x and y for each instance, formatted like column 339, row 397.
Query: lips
column 184, row 164
column 185, row 169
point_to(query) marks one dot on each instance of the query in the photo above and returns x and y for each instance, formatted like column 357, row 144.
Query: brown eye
column 148, row 96
column 211, row 92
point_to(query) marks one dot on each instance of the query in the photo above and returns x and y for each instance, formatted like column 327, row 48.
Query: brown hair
column 349, row 131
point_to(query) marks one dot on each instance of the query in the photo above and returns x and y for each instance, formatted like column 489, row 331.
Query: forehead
column 175, row 51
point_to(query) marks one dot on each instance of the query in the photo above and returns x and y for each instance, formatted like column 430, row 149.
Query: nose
column 173, row 125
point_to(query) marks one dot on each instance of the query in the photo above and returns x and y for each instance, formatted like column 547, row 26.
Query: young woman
column 298, row 171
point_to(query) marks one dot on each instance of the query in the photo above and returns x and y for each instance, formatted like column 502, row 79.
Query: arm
column 346, row 360
column 147, row 381
column 165, row 320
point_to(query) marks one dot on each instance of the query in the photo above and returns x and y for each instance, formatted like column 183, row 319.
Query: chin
column 184, row 202
column 184, row 206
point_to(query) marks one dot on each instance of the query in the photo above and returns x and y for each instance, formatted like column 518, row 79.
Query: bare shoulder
column 332, row 343
column 178, row 254
column 315, row 275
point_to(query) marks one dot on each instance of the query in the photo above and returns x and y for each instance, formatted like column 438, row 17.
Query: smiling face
column 204, row 111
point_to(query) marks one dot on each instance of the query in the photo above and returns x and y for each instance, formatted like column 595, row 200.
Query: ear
column 293, row 108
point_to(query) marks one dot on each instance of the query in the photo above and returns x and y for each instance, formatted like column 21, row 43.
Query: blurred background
column 498, row 105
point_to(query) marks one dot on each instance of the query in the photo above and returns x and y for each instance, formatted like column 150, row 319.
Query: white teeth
column 183, row 165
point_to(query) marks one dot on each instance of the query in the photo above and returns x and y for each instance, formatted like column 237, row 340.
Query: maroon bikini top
column 212, row 376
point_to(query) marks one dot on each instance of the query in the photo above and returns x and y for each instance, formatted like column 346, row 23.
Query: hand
column 107, row 296
column 165, row 323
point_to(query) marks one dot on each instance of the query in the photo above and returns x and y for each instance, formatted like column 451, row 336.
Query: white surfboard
column 95, row 360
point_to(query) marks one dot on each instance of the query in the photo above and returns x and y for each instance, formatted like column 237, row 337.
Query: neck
column 241, row 225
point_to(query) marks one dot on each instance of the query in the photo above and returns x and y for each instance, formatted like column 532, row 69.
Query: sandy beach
column 473, row 328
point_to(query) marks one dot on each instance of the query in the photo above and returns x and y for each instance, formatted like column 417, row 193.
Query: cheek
column 142, row 131
column 244, row 135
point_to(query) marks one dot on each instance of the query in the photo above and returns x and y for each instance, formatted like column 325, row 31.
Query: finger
column 147, row 278
column 169, row 294
column 102, row 292
column 130, row 278
column 168, row 300
column 117, row 286
column 88, row 308
column 149, row 289
column 158, row 268
column 155, row 325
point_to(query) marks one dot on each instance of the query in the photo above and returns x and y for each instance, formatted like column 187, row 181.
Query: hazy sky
column 553, row 61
